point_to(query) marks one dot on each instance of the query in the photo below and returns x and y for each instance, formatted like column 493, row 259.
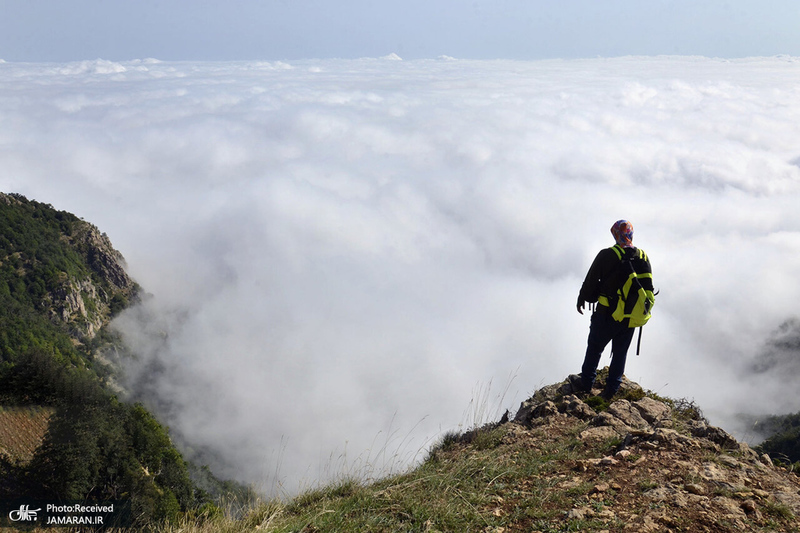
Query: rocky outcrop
column 623, row 417
column 88, row 304
column 666, row 466
column 101, row 257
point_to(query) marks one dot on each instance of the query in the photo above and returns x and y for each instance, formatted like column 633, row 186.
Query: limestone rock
column 789, row 499
column 652, row 410
column 578, row 513
column 696, row 488
column 712, row 472
column 672, row 437
column 716, row 435
column 628, row 414
column 599, row 433
column 728, row 461
column 729, row 507
column 607, row 419
column 750, row 508
column 545, row 409
column 573, row 406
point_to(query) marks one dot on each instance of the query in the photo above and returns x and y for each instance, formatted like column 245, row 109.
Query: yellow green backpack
column 635, row 298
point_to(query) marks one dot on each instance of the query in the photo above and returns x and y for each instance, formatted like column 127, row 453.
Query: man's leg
column 599, row 336
column 619, row 355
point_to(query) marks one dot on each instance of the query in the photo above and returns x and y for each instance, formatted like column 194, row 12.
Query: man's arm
column 590, row 289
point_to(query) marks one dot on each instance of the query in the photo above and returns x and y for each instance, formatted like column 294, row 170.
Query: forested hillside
column 61, row 282
column 783, row 437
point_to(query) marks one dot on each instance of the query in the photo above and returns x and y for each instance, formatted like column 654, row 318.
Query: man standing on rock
column 602, row 282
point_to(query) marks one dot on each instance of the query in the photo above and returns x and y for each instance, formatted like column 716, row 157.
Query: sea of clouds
column 347, row 258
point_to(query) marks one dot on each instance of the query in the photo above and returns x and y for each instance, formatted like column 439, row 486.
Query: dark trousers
column 605, row 329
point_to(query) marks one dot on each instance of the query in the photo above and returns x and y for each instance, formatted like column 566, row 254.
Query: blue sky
column 70, row 30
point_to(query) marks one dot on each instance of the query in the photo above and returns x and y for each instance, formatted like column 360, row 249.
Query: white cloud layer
column 343, row 254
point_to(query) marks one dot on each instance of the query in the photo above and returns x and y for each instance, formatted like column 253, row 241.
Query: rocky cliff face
column 85, row 294
column 88, row 304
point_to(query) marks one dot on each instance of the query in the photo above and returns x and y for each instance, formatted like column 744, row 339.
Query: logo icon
column 24, row 514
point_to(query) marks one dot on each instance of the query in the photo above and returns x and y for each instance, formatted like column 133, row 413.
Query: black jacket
column 604, row 276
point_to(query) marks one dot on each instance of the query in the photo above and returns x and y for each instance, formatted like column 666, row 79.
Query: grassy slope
column 509, row 477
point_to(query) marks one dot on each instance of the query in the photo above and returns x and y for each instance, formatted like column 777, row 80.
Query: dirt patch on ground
column 22, row 430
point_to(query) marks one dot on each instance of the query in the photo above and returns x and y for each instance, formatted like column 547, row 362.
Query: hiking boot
column 576, row 382
column 581, row 394
column 607, row 395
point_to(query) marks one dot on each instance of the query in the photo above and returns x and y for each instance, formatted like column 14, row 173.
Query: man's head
column 622, row 230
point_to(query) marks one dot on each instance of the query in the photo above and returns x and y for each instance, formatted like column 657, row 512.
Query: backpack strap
column 639, row 341
column 620, row 251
